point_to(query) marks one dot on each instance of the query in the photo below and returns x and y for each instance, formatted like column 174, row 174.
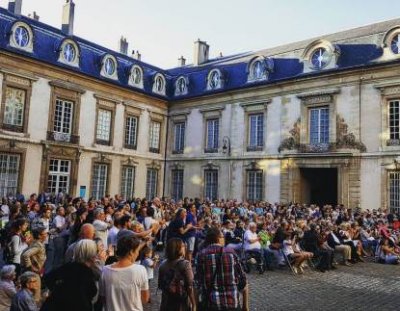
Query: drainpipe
column 359, row 106
column 165, row 156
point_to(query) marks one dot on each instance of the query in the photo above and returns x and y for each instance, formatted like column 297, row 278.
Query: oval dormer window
column 319, row 58
column 215, row 78
column 22, row 36
column 109, row 66
column 136, row 75
column 395, row 44
column 159, row 84
column 69, row 52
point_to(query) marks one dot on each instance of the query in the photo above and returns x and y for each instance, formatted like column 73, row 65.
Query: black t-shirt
column 173, row 229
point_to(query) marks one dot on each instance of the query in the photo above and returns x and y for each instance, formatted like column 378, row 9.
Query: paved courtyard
column 365, row 286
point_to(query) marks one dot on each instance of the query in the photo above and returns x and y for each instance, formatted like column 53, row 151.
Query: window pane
column 59, row 176
column 155, row 128
column 131, row 131
column 394, row 191
column 211, row 184
column 103, row 125
column 14, row 106
column 177, row 184
column 256, row 130
column 212, row 134
column 63, row 115
column 179, row 137
column 99, row 181
column 128, row 182
column 9, row 171
column 394, row 119
column 319, row 125
column 254, row 185
column 151, row 184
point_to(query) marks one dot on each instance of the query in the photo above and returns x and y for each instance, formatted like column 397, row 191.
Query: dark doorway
column 319, row 185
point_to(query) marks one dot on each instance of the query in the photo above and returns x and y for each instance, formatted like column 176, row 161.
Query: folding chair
column 289, row 262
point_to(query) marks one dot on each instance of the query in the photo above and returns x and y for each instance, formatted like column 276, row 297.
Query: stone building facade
column 316, row 121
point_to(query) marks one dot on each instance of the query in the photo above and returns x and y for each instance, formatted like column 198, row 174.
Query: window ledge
column 154, row 150
column 393, row 142
column 103, row 142
column 177, row 151
column 132, row 147
column 211, row 150
column 255, row 148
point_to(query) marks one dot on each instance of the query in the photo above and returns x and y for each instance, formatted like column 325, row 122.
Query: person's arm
column 183, row 230
column 144, row 288
column 145, row 296
column 245, row 297
column 26, row 257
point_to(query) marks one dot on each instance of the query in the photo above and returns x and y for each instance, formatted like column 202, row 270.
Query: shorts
column 190, row 244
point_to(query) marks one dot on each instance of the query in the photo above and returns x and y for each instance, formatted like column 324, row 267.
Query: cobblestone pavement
column 365, row 286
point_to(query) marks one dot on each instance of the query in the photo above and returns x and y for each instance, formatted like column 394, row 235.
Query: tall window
column 99, row 181
column 131, row 124
column 177, row 184
column 9, row 172
column 254, row 185
column 211, row 184
column 59, row 175
column 151, row 183
column 394, row 191
column 256, row 131
column 212, row 135
column 179, row 142
column 319, row 125
column 14, row 107
column 63, row 115
column 128, row 182
column 155, row 128
column 394, row 119
column 103, row 131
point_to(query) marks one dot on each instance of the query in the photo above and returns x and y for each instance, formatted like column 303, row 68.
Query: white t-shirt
column 248, row 235
column 122, row 287
column 112, row 236
column 148, row 264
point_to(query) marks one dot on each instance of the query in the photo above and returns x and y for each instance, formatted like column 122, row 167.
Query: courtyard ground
column 364, row 286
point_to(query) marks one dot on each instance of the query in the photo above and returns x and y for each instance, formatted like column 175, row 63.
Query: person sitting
column 252, row 245
column 336, row 243
column 24, row 299
column 387, row 253
column 231, row 240
column 293, row 253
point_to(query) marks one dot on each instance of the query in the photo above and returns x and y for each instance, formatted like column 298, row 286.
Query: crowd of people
column 64, row 253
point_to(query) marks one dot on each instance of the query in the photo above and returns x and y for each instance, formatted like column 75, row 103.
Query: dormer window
column 181, row 86
column 21, row 37
column 319, row 58
column 214, row 80
column 109, row 67
column 320, row 55
column 69, row 53
column 159, row 84
column 395, row 44
column 136, row 76
column 259, row 69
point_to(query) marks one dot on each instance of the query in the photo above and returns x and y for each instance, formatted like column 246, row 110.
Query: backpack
column 172, row 284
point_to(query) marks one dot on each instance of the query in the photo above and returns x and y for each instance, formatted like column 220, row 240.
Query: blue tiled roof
column 287, row 65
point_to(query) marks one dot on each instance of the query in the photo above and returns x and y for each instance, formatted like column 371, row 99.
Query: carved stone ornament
column 344, row 139
column 293, row 141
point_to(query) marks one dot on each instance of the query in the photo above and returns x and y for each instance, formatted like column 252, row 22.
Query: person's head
column 99, row 214
column 85, row 252
column 39, row 234
column 214, row 236
column 30, row 281
column 146, row 252
column 20, row 225
column 125, row 221
column 60, row 211
column 7, row 273
column 181, row 214
column 157, row 201
column 46, row 213
column 175, row 249
column 128, row 247
column 87, row 232
column 253, row 227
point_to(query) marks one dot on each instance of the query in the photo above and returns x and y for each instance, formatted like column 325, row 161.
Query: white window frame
column 62, row 126
column 212, row 129
column 103, row 127
column 128, row 176
column 14, row 115
column 61, row 174
column 8, row 178
column 258, row 141
column 254, row 185
column 394, row 191
column 211, row 184
column 99, row 180
column 394, row 129
column 177, row 176
column 154, row 137
column 131, row 131
column 179, row 137
column 151, row 183
column 319, row 132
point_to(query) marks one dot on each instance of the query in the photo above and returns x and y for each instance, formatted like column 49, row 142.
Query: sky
column 163, row 30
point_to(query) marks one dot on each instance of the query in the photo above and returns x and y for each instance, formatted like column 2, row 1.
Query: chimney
column 138, row 55
column 68, row 17
column 201, row 49
column 181, row 61
column 34, row 16
column 123, row 46
column 14, row 6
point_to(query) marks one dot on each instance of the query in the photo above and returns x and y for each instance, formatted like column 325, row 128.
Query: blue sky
column 163, row 30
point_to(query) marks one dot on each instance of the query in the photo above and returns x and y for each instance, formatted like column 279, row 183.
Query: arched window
column 22, row 37
column 109, row 67
column 69, row 53
column 159, row 84
column 215, row 80
column 136, row 76
column 259, row 69
column 181, row 86
column 320, row 55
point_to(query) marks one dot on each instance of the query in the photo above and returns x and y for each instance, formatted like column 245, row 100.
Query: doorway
column 319, row 186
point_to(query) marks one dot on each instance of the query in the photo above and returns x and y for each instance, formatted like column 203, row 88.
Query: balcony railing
column 63, row 137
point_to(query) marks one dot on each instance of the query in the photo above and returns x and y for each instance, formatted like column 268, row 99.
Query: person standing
column 7, row 287
column 220, row 276
column 24, row 299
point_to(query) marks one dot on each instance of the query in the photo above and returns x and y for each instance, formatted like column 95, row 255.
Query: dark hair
column 126, row 244
column 213, row 235
column 37, row 231
column 145, row 250
column 150, row 212
column 124, row 219
column 18, row 223
column 173, row 249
